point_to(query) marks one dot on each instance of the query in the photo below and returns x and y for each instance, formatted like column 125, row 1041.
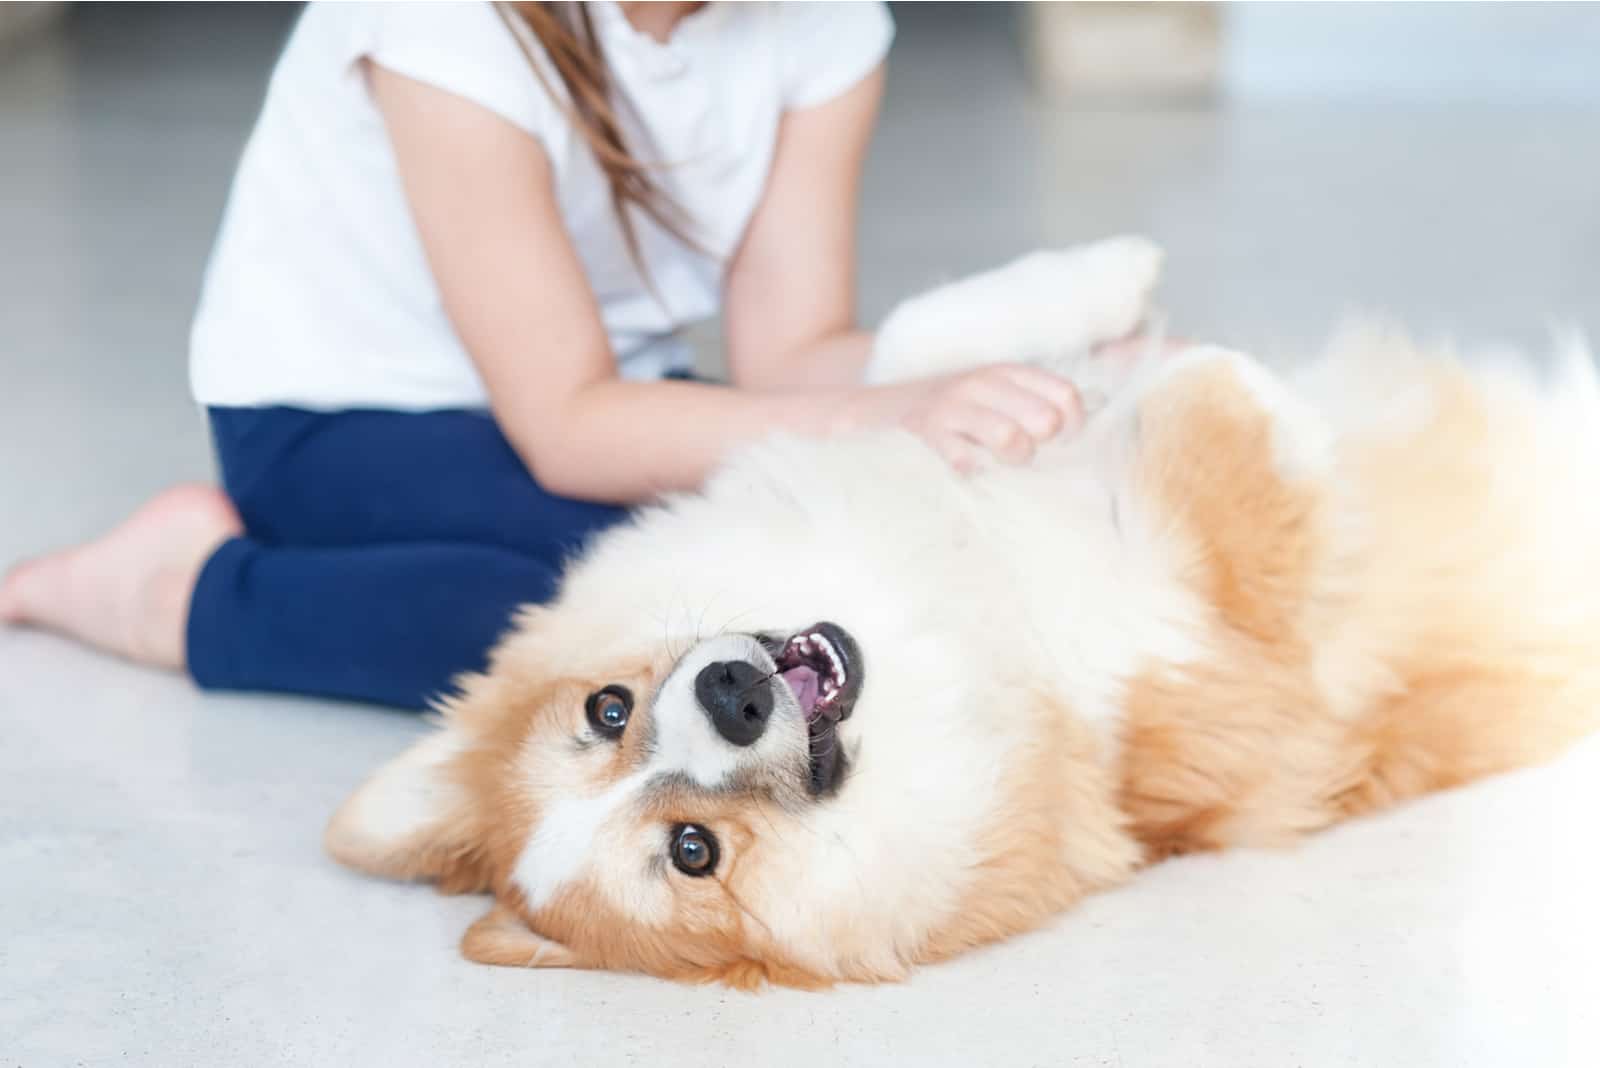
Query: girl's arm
column 790, row 312
column 481, row 193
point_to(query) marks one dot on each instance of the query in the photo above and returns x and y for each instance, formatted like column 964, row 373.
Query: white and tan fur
column 1233, row 610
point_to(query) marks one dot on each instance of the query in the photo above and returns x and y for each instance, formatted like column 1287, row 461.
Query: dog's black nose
column 737, row 697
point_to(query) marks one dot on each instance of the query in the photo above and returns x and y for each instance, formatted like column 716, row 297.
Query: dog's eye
column 694, row 849
column 608, row 710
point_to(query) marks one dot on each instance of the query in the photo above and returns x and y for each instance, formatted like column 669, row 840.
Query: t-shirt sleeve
column 465, row 49
column 828, row 47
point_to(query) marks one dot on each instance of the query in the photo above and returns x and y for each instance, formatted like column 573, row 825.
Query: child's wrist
column 852, row 411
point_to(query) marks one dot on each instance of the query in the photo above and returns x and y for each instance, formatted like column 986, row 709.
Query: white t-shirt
column 318, row 294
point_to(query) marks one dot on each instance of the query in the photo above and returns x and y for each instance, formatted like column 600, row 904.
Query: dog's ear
column 413, row 819
column 500, row 937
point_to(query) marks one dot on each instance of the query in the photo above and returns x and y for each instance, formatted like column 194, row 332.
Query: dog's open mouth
column 822, row 667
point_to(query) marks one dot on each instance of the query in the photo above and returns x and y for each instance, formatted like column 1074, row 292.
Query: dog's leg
column 1230, row 474
column 1039, row 308
column 1221, row 448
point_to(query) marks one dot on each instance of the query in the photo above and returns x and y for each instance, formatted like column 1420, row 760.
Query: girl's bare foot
column 127, row 592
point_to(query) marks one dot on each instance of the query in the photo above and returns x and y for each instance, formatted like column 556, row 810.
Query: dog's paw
column 1035, row 309
column 1107, row 287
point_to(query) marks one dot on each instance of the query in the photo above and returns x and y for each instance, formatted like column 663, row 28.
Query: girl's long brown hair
column 567, row 33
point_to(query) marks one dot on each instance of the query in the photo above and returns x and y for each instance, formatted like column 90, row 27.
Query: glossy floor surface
column 163, row 899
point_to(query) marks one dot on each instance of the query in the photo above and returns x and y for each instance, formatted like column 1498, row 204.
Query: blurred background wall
column 1526, row 51
column 1271, row 51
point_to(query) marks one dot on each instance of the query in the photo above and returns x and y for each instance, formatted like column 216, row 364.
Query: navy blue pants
column 384, row 552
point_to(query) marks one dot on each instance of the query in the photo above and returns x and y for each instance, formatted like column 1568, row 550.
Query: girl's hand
column 1004, row 410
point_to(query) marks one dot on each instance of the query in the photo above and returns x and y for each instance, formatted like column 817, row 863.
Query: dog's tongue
column 803, row 681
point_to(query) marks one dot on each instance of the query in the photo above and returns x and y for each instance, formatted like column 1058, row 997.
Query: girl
column 438, row 337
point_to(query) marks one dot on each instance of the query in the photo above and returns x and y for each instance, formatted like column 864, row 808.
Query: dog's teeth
column 815, row 645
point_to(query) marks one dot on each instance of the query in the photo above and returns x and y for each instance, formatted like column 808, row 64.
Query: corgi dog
column 845, row 711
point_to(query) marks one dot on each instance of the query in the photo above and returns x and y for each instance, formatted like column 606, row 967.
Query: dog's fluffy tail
column 1576, row 386
column 1475, row 479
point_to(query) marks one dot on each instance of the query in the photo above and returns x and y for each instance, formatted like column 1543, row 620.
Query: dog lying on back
column 845, row 712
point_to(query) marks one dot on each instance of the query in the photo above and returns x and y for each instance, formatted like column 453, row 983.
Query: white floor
column 163, row 899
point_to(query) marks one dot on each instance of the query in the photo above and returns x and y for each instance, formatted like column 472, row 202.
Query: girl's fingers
column 997, row 432
column 1058, row 391
column 1039, row 416
column 1004, row 411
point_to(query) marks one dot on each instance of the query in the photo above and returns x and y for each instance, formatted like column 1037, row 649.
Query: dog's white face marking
column 559, row 850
